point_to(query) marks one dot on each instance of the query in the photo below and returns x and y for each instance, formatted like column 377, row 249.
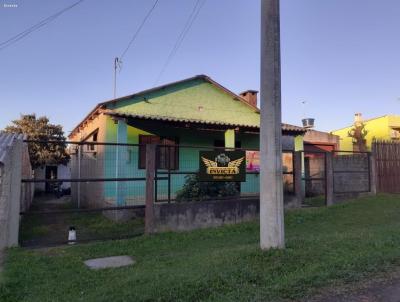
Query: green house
column 185, row 116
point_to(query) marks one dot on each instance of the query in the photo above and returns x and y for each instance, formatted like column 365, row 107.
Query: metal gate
column 314, row 178
column 99, row 193
column 346, row 173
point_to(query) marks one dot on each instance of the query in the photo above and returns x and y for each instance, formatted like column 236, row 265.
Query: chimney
column 357, row 118
column 250, row 96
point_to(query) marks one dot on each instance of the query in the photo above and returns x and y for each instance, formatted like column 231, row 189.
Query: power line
column 189, row 22
column 118, row 60
column 38, row 25
column 139, row 29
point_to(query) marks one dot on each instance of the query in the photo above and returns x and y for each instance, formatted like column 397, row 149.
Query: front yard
column 324, row 247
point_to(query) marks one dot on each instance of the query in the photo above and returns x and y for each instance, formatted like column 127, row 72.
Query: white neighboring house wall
column 13, row 166
column 40, row 174
column 63, row 172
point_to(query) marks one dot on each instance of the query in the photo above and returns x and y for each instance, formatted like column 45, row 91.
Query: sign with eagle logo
column 222, row 166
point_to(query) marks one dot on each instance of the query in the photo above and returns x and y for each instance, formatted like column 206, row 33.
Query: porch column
column 297, row 177
column 299, row 146
column 120, row 161
column 230, row 138
column 298, row 143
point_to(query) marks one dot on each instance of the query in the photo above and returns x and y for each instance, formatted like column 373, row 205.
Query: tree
column 39, row 129
column 358, row 133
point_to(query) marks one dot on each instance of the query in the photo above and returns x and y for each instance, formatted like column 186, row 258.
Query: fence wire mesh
column 99, row 191
column 180, row 174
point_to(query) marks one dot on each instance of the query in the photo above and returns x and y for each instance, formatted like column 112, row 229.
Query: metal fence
column 99, row 191
column 314, row 178
column 351, row 174
column 177, row 168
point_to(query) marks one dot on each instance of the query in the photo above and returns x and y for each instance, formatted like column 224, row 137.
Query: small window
column 91, row 148
column 94, row 139
column 168, row 154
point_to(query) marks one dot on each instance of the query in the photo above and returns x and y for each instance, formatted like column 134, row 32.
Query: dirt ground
column 383, row 288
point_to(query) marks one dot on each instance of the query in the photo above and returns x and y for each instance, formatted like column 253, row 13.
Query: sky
column 339, row 56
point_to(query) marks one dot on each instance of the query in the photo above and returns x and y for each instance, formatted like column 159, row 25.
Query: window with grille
column 167, row 155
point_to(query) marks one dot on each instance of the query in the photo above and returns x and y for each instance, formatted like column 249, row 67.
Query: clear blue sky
column 341, row 56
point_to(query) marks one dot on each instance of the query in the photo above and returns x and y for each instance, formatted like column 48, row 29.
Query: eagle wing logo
column 236, row 163
column 209, row 163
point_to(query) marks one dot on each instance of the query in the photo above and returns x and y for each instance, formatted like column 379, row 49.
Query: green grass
column 98, row 225
column 32, row 227
column 316, row 201
column 324, row 247
column 53, row 228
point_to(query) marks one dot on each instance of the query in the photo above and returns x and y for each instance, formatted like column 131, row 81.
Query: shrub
column 195, row 190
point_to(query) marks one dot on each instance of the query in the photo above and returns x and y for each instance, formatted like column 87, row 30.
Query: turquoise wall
column 128, row 164
column 188, row 161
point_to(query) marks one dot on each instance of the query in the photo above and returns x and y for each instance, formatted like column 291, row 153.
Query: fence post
column 329, row 178
column 12, row 193
column 79, row 175
column 372, row 174
column 297, row 177
column 150, row 176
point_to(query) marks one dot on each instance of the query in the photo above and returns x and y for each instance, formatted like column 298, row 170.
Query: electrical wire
column 139, row 29
column 189, row 22
column 35, row 27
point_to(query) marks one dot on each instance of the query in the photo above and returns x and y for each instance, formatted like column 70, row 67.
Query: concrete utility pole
column 272, row 233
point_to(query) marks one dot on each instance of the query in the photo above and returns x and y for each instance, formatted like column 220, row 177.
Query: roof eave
column 286, row 128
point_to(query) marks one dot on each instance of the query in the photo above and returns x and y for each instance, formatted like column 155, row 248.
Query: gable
column 198, row 100
column 192, row 100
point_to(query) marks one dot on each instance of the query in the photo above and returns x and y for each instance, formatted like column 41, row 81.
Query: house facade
column 318, row 141
column 385, row 127
column 182, row 117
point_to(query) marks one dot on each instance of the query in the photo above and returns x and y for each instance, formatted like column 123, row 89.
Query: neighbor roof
column 6, row 141
column 157, row 109
column 368, row 120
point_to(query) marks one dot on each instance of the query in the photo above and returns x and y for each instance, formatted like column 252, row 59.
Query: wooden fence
column 387, row 159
